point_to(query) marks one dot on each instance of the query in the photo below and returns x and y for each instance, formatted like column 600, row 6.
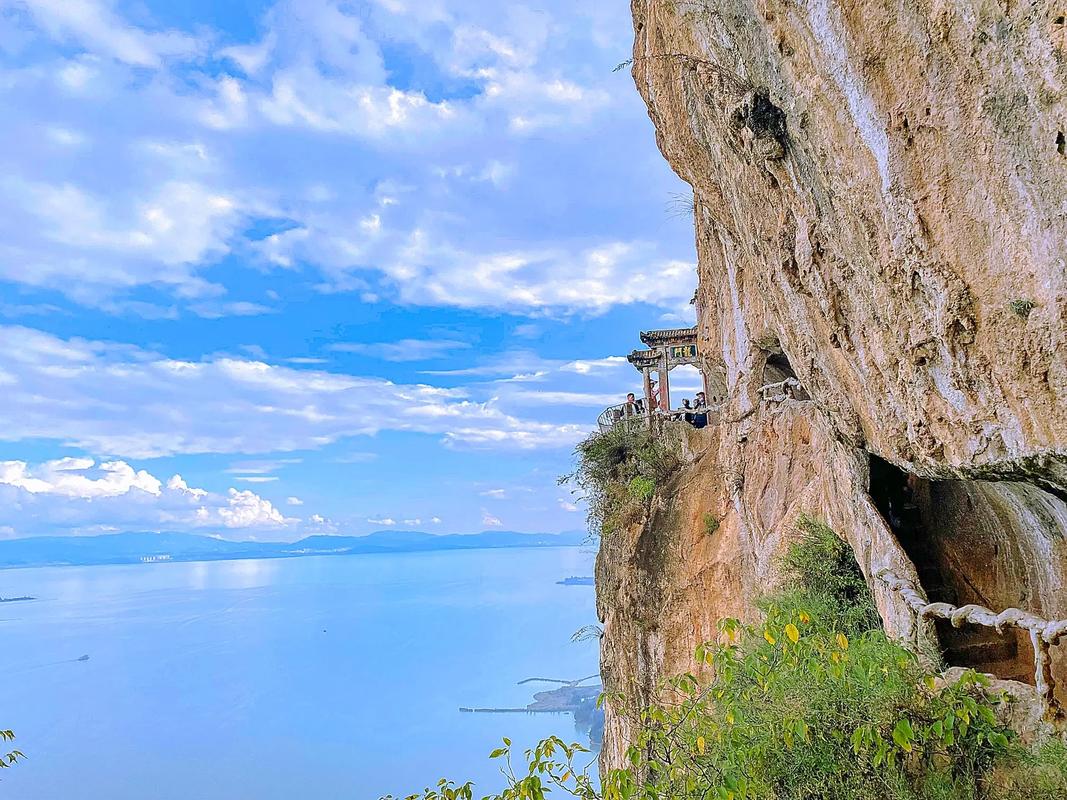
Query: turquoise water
column 334, row 677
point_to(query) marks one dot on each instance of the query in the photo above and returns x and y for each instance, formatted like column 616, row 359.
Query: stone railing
column 1043, row 633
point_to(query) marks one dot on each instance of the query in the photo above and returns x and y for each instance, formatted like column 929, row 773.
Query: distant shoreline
column 148, row 548
column 15, row 599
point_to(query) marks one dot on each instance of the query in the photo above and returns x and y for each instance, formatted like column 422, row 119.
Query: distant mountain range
column 133, row 548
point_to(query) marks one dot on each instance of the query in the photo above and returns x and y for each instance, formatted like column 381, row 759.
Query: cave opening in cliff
column 777, row 369
column 971, row 542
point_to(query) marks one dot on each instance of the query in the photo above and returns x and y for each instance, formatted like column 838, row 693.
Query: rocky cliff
column 880, row 196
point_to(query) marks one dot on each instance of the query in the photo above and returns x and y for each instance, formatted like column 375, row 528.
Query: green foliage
column 823, row 567
column 549, row 767
column 641, row 488
column 798, row 709
column 1022, row 307
column 711, row 524
column 618, row 472
column 9, row 759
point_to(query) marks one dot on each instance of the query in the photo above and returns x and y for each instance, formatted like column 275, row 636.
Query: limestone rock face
column 880, row 197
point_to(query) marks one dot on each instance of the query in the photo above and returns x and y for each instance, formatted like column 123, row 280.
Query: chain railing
column 1043, row 633
column 782, row 390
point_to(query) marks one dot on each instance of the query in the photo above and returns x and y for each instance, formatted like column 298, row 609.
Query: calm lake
column 326, row 677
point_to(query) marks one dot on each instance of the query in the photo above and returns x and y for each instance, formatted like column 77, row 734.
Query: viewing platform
column 665, row 349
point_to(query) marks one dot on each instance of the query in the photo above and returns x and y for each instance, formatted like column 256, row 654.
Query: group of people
column 694, row 412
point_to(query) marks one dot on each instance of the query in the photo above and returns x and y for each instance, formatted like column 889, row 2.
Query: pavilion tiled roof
column 643, row 357
column 669, row 336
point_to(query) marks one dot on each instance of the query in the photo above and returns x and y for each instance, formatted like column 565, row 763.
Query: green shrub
column 642, row 488
column 822, row 565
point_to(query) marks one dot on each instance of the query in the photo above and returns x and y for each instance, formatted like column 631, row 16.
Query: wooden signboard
column 678, row 354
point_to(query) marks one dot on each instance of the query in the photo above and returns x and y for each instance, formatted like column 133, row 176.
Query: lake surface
column 331, row 677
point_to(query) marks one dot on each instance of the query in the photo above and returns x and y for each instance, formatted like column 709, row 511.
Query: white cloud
column 304, row 97
column 246, row 509
column 387, row 521
column 78, row 494
column 137, row 404
column 177, row 484
column 435, row 520
column 228, row 108
column 567, row 505
column 498, row 494
column 591, row 280
column 158, row 239
column 596, row 365
column 489, row 520
column 294, row 501
column 65, row 137
column 66, row 477
column 403, row 350
column 95, row 25
column 562, row 398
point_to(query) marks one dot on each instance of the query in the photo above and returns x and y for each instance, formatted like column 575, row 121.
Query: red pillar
column 664, row 384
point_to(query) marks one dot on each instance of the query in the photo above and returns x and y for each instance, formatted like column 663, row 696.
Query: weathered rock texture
column 881, row 208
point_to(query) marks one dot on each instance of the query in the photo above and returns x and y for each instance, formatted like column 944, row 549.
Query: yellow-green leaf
column 701, row 745
column 842, row 641
column 767, row 635
column 792, row 632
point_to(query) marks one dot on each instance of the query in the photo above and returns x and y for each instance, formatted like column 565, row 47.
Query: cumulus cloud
column 67, row 477
column 387, row 521
column 246, row 509
column 294, row 501
column 76, row 493
column 489, row 520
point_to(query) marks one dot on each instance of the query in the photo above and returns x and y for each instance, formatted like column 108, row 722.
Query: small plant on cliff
column 618, row 472
column 1022, row 307
column 711, row 523
column 9, row 759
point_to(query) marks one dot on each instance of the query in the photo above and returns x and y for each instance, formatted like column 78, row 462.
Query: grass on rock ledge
column 619, row 472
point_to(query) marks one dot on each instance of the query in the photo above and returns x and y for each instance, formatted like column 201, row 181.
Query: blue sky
column 272, row 269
